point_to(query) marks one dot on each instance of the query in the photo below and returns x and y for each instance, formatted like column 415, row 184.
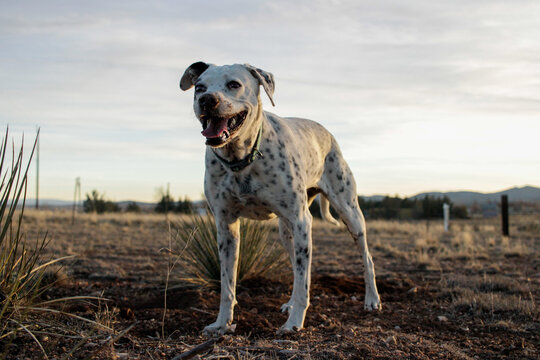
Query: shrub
column 258, row 255
column 95, row 202
column 165, row 204
column 133, row 207
column 184, row 206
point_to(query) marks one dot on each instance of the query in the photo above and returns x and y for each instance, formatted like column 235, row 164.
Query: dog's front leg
column 228, row 235
column 299, row 302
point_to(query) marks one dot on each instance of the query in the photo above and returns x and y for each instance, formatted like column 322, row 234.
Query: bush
column 184, row 206
column 133, row 207
column 22, row 268
column 165, row 204
column 198, row 240
column 96, row 203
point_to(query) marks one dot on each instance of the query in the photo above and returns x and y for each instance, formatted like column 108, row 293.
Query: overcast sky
column 421, row 95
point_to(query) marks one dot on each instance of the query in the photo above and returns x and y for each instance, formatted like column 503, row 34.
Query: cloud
column 386, row 78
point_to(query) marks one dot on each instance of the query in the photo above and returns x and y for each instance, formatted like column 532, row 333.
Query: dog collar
column 243, row 163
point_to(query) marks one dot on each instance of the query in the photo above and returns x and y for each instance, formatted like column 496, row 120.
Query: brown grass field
column 466, row 294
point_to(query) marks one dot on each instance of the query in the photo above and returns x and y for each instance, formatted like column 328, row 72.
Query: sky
column 422, row 95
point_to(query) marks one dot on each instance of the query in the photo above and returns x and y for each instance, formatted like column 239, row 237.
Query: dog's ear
column 266, row 79
column 191, row 74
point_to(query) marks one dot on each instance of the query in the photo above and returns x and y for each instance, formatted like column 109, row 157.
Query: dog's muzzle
column 218, row 128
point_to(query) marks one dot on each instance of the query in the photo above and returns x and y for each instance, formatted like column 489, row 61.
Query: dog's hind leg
column 339, row 186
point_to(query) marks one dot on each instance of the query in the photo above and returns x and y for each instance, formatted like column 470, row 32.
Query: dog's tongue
column 216, row 128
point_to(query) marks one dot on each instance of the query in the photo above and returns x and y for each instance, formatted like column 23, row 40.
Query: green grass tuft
column 259, row 257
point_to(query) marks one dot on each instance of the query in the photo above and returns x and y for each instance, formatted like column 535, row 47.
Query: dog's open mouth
column 218, row 130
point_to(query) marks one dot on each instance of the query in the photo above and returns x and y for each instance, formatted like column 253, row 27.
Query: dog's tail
column 324, row 205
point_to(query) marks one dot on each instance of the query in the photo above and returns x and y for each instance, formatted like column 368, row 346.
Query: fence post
column 446, row 214
column 504, row 213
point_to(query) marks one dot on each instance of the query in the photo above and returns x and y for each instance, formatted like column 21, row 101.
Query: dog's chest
column 248, row 194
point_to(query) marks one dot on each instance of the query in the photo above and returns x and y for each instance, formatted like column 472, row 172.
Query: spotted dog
column 259, row 166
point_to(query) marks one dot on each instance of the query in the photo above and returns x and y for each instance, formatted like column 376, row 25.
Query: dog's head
column 226, row 98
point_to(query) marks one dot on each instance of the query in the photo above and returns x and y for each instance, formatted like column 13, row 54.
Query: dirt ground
column 466, row 294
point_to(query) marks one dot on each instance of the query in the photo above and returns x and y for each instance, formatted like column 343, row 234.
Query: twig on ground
column 199, row 349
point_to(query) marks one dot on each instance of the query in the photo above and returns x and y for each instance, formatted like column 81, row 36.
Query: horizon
column 30, row 201
column 419, row 95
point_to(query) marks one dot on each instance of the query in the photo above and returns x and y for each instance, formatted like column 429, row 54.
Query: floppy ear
column 266, row 79
column 191, row 74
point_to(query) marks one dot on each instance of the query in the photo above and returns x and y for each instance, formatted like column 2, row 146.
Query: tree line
column 389, row 207
column 394, row 207
column 96, row 202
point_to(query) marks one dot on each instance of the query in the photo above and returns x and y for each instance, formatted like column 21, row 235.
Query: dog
column 259, row 166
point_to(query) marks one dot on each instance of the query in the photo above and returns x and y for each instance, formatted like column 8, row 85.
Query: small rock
column 391, row 340
column 397, row 327
column 413, row 290
column 354, row 298
column 442, row 318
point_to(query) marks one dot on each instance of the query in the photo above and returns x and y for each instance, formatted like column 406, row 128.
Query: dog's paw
column 372, row 302
column 287, row 330
column 219, row 329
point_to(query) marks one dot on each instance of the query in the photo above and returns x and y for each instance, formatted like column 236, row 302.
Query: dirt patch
column 429, row 312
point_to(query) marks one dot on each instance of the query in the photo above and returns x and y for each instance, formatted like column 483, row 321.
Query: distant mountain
column 48, row 202
column 525, row 193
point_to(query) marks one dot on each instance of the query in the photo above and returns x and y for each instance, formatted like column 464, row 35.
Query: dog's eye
column 200, row 88
column 233, row 85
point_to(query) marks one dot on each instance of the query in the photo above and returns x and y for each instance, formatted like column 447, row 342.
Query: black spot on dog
column 213, row 162
column 283, row 204
column 342, row 189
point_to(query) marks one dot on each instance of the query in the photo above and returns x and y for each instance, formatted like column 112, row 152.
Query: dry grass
column 472, row 272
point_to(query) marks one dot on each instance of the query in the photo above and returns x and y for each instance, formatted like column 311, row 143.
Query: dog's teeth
column 233, row 122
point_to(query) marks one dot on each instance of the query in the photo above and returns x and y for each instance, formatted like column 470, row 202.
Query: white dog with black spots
column 259, row 166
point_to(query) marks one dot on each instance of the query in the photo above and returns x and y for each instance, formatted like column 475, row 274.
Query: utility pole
column 37, row 170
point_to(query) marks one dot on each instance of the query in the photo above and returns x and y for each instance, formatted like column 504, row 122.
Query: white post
column 446, row 213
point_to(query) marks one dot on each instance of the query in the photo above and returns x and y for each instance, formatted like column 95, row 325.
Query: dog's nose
column 208, row 101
